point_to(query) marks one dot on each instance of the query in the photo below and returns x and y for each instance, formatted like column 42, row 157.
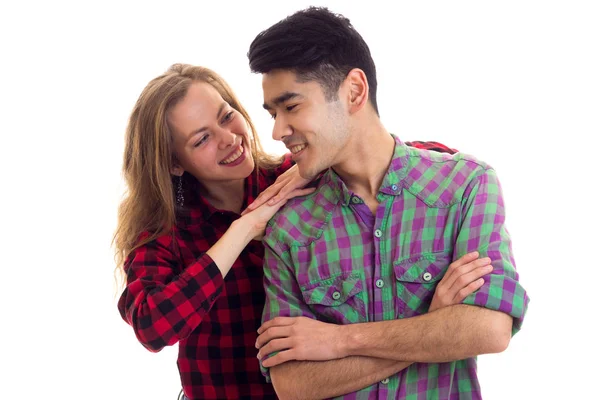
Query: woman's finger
column 266, row 195
column 290, row 195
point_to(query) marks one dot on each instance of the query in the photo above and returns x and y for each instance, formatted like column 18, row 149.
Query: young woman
column 191, row 265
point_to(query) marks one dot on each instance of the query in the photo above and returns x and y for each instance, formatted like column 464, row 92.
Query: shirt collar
column 392, row 181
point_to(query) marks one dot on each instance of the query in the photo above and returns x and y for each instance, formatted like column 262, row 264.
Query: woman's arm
column 164, row 305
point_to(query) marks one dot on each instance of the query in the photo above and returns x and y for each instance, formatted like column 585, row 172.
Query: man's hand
column 301, row 338
column 463, row 277
column 298, row 338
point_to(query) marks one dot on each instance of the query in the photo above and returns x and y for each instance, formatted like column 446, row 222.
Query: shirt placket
column 383, row 282
column 364, row 216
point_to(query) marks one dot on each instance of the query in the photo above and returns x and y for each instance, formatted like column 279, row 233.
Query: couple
column 388, row 270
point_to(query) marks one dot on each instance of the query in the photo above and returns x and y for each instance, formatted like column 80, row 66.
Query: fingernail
column 474, row 253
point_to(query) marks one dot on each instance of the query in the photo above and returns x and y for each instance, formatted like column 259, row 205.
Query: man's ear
column 357, row 89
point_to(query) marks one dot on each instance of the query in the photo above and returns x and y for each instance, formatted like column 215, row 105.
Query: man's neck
column 366, row 160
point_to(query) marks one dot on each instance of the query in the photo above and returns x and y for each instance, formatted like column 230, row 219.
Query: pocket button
column 426, row 276
column 336, row 295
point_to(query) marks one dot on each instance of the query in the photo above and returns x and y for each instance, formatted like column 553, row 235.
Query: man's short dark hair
column 317, row 45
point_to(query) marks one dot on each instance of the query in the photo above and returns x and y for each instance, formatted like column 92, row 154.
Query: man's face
column 313, row 129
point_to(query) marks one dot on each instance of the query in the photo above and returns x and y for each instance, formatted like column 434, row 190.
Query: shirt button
column 377, row 233
column 426, row 276
column 385, row 381
column 379, row 283
column 394, row 187
column 355, row 200
column 336, row 295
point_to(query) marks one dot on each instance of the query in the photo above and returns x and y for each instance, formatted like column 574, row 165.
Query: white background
column 515, row 83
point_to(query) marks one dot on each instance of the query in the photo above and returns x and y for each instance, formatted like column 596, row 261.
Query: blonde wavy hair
column 149, row 202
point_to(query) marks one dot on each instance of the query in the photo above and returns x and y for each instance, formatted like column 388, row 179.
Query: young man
column 356, row 263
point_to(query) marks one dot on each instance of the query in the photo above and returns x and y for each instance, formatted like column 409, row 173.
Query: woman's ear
column 177, row 169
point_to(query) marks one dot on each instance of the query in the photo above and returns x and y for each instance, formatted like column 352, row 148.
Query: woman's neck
column 227, row 195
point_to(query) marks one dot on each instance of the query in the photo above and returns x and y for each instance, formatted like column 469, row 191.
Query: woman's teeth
column 234, row 156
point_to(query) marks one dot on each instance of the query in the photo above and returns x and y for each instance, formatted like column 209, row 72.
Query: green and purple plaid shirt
column 329, row 258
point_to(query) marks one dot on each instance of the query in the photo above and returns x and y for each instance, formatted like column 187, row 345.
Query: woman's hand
column 288, row 185
column 258, row 218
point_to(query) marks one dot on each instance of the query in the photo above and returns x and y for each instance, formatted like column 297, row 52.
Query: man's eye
column 290, row 108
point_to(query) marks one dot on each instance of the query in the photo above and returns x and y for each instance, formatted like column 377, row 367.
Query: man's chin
column 306, row 173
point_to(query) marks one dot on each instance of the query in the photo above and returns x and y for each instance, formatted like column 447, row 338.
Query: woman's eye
column 227, row 117
column 202, row 140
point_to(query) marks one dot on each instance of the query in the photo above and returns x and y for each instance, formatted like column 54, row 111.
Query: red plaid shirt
column 176, row 293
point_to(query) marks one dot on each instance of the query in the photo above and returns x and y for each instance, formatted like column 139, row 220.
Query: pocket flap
column 423, row 268
column 334, row 291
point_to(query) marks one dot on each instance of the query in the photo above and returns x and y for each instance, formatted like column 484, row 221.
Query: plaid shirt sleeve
column 161, row 302
column 483, row 229
column 283, row 295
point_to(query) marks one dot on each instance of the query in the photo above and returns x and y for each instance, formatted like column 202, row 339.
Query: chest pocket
column 339, row 300
column 416, row 280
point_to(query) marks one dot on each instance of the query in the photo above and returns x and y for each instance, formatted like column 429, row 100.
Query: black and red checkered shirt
column 175, row 293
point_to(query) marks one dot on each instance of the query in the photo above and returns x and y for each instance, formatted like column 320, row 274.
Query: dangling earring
column 180, row 191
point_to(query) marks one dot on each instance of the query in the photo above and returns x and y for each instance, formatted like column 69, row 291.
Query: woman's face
column 210, row 138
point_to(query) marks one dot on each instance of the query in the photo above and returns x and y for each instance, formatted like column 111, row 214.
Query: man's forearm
column 452, row 333
column 324, row 379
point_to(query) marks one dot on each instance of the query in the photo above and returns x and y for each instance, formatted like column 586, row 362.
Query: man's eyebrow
column 281, row 99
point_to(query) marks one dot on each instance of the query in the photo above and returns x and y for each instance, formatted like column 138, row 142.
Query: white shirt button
column 426, row 276
column 385, row 381
column 378, row 233
column 336, row 295
column 379, row 283
column 355, row 200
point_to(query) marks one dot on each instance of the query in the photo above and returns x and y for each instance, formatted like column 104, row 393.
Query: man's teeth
column 297, row 148
column 234, row 156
